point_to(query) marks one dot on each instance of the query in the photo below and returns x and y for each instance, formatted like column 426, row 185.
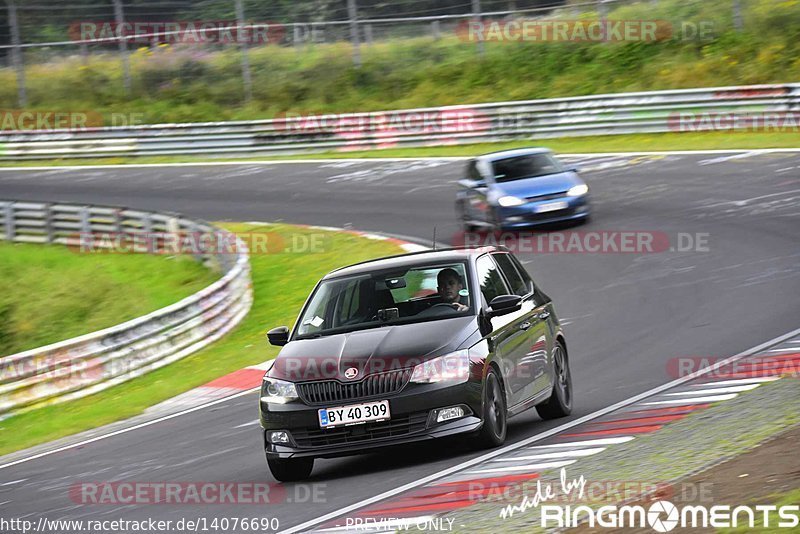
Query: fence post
column 246, row 77
column 119, row 17
column 16, row 55
column 476, row 15
column 352, row 14
column 738, row 21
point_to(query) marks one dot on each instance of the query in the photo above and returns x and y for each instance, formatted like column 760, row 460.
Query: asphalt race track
column 626, row 314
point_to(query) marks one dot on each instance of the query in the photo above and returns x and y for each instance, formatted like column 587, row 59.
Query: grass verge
column 188, row 83
column 565, row 145
column 51, row 293
column 281, row 282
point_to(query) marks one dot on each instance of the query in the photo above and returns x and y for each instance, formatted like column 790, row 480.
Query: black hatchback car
column 409, row 348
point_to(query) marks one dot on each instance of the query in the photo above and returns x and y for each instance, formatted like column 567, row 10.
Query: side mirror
column 472, row 184
column 278, row 336
column 574, row 169
column 503, row 304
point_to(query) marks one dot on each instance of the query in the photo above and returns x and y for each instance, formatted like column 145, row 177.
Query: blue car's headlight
column 509, row 201
column 578, row 190
column 279, row 391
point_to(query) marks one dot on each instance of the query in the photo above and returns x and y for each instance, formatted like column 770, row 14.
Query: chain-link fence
column 135, row 49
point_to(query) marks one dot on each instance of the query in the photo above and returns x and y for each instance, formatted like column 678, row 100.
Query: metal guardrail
column 84, row 365
column 623, row 113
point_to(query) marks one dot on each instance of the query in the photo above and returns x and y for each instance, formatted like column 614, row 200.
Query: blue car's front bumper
column 541, row 212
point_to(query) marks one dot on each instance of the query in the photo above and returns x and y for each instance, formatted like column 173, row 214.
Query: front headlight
column 509, row 201
column 578, row 190
column 453, row 367
column 280, row 391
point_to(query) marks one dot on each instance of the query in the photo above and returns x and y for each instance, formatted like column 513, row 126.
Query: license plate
column 551, row 206
column 354, row 414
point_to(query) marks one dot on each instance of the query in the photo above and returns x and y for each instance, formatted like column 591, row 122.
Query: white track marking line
column 716, row 391
column 602, row 441
column 384, row 160
column 251, row 423
column 125, row 430
column 527, row 468
column 577, row 453
column 694, row 400
column 724, row 159
column 738, row 381
column 543, row 435
column 790, row 349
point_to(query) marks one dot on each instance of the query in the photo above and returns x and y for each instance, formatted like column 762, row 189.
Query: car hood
column 370, row 351
column 540, row 185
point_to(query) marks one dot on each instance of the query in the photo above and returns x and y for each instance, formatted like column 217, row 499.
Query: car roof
column 411, row 259
column 503, row 154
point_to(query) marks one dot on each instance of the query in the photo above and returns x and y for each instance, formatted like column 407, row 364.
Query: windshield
column 377, row 299
column 530, row 166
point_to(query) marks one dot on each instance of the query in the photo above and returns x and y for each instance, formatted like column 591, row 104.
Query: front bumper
column 410, row 422
column 530, row 215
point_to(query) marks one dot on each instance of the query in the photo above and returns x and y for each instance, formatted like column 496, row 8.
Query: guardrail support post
column 436, row 30
column 48, row 223
column 9, row 220
column 86, row 222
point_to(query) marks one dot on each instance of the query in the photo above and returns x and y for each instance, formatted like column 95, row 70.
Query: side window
column 518, row 285
column 491, row 282
column 523, row 272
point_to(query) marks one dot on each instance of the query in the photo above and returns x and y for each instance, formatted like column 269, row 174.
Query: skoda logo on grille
column 350, row 373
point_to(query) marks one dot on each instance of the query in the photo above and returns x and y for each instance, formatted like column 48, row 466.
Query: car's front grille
column 328, row 391
column 397, row 426
column 551, row 196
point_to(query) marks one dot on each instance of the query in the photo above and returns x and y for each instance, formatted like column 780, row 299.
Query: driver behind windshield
column 449, row 288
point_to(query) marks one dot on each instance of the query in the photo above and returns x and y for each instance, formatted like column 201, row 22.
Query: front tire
column 560, row 402
column 493, row 431
column 290, row 469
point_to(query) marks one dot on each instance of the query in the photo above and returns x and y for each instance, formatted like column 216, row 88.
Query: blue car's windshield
column 528, row 166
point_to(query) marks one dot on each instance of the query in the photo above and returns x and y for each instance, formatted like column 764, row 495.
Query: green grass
column 51, row 293
column 194, row 84
column 566, row 145
column 281, row 282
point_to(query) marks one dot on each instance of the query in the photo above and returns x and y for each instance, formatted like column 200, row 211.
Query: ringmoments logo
column 660, row 516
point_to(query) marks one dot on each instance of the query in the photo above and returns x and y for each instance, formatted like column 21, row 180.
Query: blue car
column 520, row 188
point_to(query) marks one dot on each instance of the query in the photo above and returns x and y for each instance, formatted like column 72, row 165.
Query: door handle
column 525, row 325
column 544, row 315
